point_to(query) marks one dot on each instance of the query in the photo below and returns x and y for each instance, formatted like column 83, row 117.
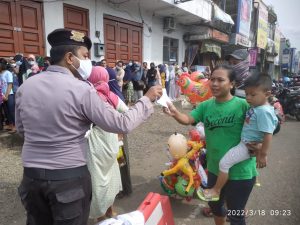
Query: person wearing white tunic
column 102, row 155
column 105, row 172
column 172, row 84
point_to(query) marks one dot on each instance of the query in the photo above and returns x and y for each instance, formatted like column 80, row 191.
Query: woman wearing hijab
column 24, row 68
column 113, row 83
column 102, row 155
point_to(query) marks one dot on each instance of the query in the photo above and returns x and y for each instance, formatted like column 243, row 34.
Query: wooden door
column 112, row 47
column 136, row 43
column 8, row 35
column 29, row 20
column 21, row 28
column 123, row 40
column 76, row 18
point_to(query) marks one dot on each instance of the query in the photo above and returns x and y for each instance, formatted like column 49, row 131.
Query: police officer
column 53, row 112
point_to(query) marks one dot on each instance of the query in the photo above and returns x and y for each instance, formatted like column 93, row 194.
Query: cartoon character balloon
column 178, row 147
column 195, row 91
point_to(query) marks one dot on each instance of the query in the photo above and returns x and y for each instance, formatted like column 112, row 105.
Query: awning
column 211, row 46
column 219, row 14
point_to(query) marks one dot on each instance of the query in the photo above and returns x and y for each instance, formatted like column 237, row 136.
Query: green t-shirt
column 223, row 124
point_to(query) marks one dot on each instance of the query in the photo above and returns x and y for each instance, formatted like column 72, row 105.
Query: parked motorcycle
column 278, row 111
column 290, row 101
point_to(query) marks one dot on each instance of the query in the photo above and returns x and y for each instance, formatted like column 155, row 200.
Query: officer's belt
column 57, row 174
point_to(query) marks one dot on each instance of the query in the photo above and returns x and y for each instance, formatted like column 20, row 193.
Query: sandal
column 206, row 196
column 111, row 213
column 206, row 211
column 101, row 218
column 12, row 131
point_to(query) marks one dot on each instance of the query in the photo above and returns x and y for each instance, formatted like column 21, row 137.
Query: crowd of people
column 74, row 113
column 13, row 72
column 129, row 81
column 135, row 78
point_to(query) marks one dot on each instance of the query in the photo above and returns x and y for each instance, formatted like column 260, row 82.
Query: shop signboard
column 285, row 58
column 220, row 36
column 277, row 40
column 292, row 59
column 262, row 31
column 244, row 17
column 241, row 40
column 252, row 57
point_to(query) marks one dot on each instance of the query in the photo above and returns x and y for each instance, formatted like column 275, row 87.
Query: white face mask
column 85, row 68
column 19, row 63
column 31, row 63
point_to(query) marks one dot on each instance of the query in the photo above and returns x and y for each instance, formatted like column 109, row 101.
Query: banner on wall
column 262, row 31
column 252, row 57
column 244, row 17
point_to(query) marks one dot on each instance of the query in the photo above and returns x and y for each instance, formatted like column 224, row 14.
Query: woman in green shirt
column 223, row 117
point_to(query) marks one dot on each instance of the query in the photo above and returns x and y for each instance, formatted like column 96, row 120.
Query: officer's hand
column 154, row 92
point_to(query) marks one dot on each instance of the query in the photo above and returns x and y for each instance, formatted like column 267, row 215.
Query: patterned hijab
column 242, row 72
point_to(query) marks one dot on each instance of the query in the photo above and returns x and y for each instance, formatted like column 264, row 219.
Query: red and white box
column 154, row 210
column 157, row 210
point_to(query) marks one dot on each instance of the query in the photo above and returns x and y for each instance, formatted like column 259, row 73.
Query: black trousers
column 56, row 202
column 236, row 194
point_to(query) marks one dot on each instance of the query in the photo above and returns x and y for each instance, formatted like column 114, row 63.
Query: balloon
column 195, row 91
column 197, row 76
column 177, row 145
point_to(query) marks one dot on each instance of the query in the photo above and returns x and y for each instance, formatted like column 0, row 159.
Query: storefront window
column 170, row 50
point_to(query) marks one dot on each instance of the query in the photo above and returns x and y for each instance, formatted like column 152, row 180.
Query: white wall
column 152, row 41
column 54, row 16
column 157, row 41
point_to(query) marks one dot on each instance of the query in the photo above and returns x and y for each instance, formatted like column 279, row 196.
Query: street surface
column 280, row 181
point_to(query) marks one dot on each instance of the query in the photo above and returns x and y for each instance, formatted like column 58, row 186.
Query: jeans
column 167, row 86
column 9, row 109
column 236, row 193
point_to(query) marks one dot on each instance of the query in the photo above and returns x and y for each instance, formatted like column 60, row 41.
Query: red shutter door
column 8, row 36
column 76, row 18
column 123, row 40
column 30, row 20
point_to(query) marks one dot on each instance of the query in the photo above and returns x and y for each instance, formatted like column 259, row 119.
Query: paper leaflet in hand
column 164, row 99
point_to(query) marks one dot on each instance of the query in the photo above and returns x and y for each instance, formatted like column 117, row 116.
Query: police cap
column 60, row 37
